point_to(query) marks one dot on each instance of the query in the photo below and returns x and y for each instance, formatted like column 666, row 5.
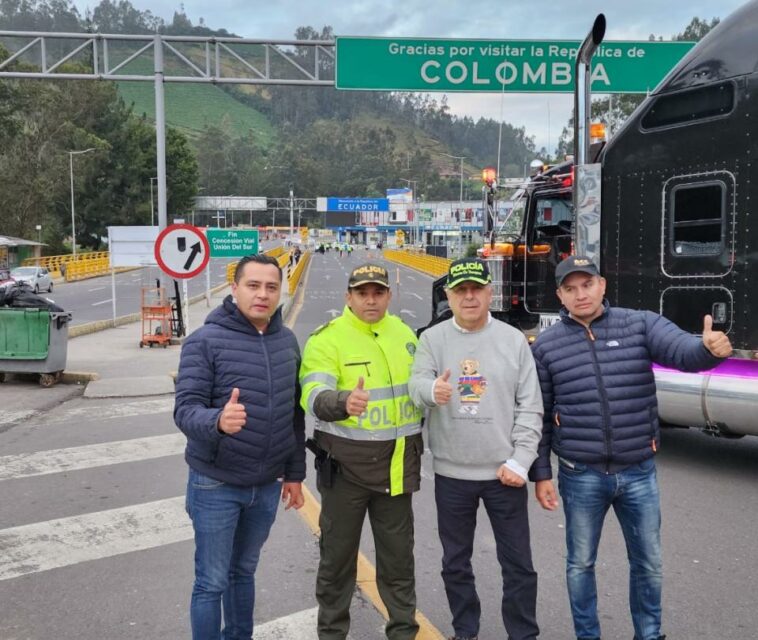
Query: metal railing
column 292, row 273
column 280, row 253
column 297, row 272
column 432, row 265
column 53, row 264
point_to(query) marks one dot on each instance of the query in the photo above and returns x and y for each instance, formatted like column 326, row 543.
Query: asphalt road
column 90, row 300
column 94, row 542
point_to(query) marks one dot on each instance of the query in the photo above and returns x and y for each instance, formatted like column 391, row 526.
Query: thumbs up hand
column 442, row 389
column 233, row 416
column 357, row 401
column 715, row 341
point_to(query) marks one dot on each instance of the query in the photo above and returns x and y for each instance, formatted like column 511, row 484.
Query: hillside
column 190, row 107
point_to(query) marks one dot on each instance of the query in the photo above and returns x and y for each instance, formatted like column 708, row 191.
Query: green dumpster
column 33, row 341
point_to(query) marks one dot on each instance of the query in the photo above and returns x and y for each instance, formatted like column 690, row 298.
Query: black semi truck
column 668, row 208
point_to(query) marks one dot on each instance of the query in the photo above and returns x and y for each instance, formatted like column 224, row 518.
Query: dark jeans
column 343, row 510
column 457, row 504
column 587, row 496
column 231, row 524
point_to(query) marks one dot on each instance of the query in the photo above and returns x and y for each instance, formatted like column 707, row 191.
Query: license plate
column 548, row 319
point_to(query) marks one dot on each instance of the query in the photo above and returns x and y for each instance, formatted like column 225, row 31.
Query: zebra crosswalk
column 81, row 542
column 58, row 543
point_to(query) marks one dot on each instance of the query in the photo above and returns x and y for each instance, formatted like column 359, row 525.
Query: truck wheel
column 50, row 290
column 36, row 288
column 2, row 377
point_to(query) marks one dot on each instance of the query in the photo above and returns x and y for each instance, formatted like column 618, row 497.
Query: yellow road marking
column 366, row 577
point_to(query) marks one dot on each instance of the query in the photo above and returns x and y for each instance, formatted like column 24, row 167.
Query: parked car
column 5, row 278
column 38, row 278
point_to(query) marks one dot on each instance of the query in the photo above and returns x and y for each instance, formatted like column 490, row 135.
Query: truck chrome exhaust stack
column 583, row 90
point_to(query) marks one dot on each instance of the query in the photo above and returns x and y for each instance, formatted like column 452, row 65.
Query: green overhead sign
column 232, row 243
column 528, row 66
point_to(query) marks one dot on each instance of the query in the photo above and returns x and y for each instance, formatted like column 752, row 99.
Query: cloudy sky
column 543, row 115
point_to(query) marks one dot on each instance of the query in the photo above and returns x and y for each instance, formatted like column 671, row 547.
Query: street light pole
column 292, row 212
column 412, row 185
column 71, row 155
column 152, row 203
column 461, row 158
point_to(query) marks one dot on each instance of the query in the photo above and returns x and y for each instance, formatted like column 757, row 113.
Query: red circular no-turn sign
column 182, row 251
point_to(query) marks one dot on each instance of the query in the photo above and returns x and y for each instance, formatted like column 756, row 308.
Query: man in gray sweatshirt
column 477, row 379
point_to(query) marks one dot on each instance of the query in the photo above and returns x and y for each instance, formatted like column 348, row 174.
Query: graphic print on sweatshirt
column 471, row 387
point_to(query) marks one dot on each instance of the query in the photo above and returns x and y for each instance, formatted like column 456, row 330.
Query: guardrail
column 54, row 263
column 291, row 273
column 297, row 272
column 432, row 265
column 82, row 269
column 280, row 253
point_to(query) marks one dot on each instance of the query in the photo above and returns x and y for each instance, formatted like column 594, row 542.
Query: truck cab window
column 698, row 220
column 685, row 107
column 553, row 217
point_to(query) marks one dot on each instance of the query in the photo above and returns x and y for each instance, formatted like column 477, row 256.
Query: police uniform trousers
column 343, row 510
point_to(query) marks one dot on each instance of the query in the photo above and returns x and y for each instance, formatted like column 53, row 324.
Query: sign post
column 232, row 243
column 352, row 205
column 537, row 66
column 182, row 251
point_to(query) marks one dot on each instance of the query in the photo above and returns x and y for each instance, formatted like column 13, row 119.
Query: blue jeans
column 633, row 493
column 231, row 524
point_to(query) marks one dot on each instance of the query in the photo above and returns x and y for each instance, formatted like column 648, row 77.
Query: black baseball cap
column 468, row 270
column 575, row 264
column 368, row 274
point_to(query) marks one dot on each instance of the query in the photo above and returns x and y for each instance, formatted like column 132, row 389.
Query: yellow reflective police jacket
column 346, row 349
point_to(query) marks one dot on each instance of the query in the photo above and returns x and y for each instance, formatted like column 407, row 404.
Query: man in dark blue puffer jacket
column 238, row 403
column 601, row 419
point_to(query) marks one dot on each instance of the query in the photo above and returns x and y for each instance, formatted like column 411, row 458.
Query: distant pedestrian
column 601, row 420
column 237, row 401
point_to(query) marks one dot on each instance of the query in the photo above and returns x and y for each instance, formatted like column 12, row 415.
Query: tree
column 181, row 167
column 624, row 104
column 696, row 30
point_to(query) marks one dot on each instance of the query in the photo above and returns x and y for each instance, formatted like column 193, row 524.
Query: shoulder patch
column 318, row 330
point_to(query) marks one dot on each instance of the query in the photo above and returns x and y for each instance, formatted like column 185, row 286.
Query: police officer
column 354, row 379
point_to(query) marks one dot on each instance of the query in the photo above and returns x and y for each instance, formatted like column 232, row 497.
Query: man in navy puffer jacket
column 238, row 403
column 601, row 419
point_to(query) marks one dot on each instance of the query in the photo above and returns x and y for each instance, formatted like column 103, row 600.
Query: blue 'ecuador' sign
column 357, row 204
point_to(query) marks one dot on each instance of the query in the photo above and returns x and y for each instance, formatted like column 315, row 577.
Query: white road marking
column 67, row 541
column 119, row 410
column 9, row 417
column 96, row 289
column 408, row 312
column 94, row 304
column 41, row 463
column 300, row 625
column 410, row 277
column 411, row 293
